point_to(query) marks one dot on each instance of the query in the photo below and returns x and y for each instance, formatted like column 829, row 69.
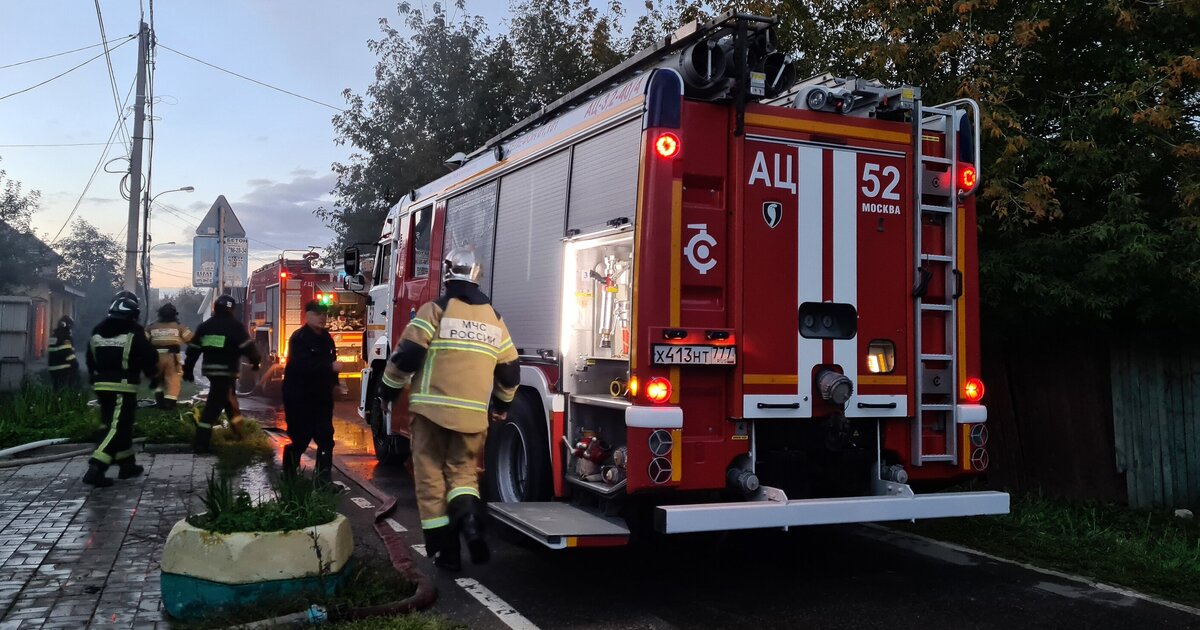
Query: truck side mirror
column 350, row 261
column 355, row 283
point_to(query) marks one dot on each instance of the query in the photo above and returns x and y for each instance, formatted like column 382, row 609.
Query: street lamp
column 146, row 241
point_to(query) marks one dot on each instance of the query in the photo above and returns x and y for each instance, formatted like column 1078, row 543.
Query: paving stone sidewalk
column 74, row 557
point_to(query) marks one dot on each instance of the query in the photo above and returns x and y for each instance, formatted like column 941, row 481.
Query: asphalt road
column 827, row 577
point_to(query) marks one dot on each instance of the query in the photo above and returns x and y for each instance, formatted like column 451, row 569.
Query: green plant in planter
column 298, row 502
column 239, row 553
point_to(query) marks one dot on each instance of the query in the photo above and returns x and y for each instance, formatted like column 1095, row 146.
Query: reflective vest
column 62, row 355
column 168, row 336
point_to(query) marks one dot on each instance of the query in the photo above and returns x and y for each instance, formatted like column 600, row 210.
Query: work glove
column 254, row 366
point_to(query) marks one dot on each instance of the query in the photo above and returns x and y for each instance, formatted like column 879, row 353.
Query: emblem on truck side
column 699, row 250
column 772, row 213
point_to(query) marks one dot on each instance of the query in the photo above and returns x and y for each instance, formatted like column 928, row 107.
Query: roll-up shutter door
column 604, row 174
column 471, row 220
column 529, row 232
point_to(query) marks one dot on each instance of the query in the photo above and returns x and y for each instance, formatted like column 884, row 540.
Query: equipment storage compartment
column 598, row 294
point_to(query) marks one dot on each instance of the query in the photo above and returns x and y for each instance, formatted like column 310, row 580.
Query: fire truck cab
column 741, row 301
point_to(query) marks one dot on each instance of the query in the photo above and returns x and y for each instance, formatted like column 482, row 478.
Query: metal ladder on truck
column 936, row 199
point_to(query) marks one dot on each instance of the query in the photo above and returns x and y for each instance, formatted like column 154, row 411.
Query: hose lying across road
column 25, row 461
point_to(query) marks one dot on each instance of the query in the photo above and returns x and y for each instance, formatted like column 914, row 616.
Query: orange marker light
column 973, row 390
column 667, row 145
column 658, row 390
column 633, row 386
column 283, row 275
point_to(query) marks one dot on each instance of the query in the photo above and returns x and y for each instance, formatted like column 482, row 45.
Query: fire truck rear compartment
column 831, row 457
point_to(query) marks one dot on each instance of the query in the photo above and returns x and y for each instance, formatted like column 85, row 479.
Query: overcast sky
column 267, row 152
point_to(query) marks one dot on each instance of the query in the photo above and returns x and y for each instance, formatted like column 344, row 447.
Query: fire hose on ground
column 24, row 461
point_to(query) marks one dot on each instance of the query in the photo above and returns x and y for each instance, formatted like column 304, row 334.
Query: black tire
column 516, row 456
column 389, row 449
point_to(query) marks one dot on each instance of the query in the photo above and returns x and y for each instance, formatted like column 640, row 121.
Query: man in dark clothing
column 64, row 366
column 308, row 382
column 223, row 341
column 118, row 353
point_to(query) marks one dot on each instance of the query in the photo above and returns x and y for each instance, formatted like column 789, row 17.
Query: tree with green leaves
column 18, row 250
column 92, row 263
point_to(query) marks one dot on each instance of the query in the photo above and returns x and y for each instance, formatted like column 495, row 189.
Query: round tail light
column 658, row 390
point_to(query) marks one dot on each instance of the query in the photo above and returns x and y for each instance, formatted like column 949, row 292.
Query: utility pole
column 135, row 161
column 220, row 252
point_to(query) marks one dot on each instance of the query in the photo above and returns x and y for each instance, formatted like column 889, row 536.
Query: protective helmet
column 224, row 303
column 123, row 307
column 65, row 321
column 129, row 295
column 167, row 312
column 460, row 264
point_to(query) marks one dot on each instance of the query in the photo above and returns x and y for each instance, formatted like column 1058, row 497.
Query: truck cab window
column 383, row 254
column 422, row 222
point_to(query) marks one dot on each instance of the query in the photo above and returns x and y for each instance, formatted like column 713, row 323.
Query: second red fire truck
column 741, row 301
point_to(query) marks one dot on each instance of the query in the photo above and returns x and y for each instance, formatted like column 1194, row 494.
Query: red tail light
column 667, row 145
column 658, row 390
column 283, row 275
column 967, row 178
column 973, row 390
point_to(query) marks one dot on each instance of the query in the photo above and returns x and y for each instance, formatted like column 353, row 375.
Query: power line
column 64, row 73
column 71, row 144
column 21, row 63
column 99, row 163
column 242, row 76
column 112, row 77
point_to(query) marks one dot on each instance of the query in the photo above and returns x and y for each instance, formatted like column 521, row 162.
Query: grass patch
column 415, row 621
column 1151, row 551
column 298, row 502
column 38, row 412
column 369, row 584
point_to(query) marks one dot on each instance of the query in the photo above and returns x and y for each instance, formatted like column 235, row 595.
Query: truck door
column 418, row 278
column 827, row 278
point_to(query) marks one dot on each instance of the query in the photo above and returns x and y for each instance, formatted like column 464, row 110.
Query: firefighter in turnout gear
column 64, row 366
column 118, row 354
column 223, row 341
column 168, row 336
column 308, row 381
column 462, row 366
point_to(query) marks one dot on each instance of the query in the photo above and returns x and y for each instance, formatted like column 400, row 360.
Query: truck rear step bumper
column 561, row 525
column 709, row 517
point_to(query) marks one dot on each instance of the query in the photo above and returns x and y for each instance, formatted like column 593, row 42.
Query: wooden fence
column 1083, row 417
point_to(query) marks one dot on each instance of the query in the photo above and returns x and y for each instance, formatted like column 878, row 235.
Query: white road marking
column 396, row 527
column 507, row 614
column 362, row 503
column 421, row 550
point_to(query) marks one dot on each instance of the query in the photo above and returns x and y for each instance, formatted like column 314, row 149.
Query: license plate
column 694, row 355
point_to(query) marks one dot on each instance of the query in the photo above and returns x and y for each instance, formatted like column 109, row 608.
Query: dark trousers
column 117, row 411
column 220, row 398
column 307, row 421
column 64, row 378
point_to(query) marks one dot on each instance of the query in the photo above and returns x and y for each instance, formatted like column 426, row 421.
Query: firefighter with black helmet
column 223, row 341
column 64, row 365
column 118, row 354
column 466, row 372
column 168, row 336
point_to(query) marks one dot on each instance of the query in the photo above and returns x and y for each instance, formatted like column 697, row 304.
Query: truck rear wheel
column 516, row 457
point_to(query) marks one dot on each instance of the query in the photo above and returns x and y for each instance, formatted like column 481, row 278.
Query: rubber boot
column 441, row 544
column 202, row 441
column 466, row 516
column 291, row 461
column 169, row 403
column 95, row 475
column 129, row 469
column 324, row 474
column 160, row 400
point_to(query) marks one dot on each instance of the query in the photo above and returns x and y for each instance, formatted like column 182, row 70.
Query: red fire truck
column 277, row 294
column 741, row 301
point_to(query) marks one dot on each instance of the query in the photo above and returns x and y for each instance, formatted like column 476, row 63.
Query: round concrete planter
column 203, row 571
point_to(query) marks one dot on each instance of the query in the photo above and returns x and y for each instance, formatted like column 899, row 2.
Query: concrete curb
column 1101, row 586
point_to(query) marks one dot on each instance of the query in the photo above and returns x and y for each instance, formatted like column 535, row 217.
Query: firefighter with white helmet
column 223, row 341
column 118, row 354
column 168, row 336
column 462, row 366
